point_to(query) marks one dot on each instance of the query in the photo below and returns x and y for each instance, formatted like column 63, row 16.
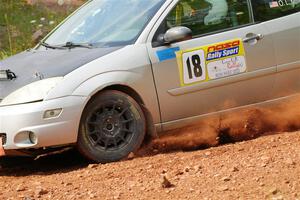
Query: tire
column 112, row 126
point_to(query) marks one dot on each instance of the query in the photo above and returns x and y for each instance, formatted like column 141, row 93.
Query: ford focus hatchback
column 117, row 71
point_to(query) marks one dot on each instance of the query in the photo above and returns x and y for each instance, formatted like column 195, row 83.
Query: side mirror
column 176, row 34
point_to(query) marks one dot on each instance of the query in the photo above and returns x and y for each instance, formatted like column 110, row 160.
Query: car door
column 282, row 18
column 215, row 25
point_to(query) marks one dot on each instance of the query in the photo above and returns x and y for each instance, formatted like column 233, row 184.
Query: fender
column 130, row 58
column 94, row 84
column 126, row 78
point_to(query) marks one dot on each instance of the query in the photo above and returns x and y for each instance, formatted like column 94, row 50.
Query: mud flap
column 2, row 152
column 151, row 130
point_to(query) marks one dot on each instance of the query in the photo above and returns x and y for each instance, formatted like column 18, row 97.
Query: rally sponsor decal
column 283, row 3
column 211, row 62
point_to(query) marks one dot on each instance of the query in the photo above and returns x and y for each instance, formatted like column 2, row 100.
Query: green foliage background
column 20, row 21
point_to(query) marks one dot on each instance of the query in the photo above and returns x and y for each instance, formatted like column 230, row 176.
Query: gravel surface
column 263, row 168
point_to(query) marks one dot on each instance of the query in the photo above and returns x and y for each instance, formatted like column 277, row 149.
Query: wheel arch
column 127, row 90
column 150, row 128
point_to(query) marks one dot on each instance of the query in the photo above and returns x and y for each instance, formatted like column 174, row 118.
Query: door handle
column 253, row 38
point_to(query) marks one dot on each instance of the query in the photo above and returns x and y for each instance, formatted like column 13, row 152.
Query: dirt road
column 263, row 168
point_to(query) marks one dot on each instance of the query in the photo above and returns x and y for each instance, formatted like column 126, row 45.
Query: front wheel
column 112, row 125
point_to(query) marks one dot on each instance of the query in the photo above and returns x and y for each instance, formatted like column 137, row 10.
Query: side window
column 264, row 10
column 206, row 16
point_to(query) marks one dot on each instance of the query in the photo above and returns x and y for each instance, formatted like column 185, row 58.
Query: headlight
column 32, row 92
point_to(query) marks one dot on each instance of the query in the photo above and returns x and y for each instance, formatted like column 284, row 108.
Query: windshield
column 106, row 23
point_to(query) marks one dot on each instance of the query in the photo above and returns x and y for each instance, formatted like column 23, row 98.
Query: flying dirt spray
column 233, row 126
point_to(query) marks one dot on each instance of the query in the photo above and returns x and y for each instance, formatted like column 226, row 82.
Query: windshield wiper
column 50, row 46
column 68, row 45
column 71, row 45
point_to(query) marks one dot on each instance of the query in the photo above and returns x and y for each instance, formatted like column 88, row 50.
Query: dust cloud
column 233, row 126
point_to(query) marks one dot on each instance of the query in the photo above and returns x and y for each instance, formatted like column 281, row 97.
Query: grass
column 23, row 25
column 3, row 54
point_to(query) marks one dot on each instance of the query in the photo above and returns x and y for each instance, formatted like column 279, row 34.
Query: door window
column 207, row 16
column 264, row 10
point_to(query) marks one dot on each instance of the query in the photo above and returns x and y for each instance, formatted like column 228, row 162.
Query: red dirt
column 263, row 168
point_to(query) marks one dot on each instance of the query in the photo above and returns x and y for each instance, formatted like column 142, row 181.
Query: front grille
column 4, row 138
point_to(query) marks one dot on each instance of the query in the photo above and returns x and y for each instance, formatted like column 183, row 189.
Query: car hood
column 34, row 65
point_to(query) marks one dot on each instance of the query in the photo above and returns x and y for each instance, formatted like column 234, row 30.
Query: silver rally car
column 117, row 71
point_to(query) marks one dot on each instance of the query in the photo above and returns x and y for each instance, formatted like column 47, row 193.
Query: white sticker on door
column 194, row 69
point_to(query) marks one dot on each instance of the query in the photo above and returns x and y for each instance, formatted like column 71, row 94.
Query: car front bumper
column 17, row 121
